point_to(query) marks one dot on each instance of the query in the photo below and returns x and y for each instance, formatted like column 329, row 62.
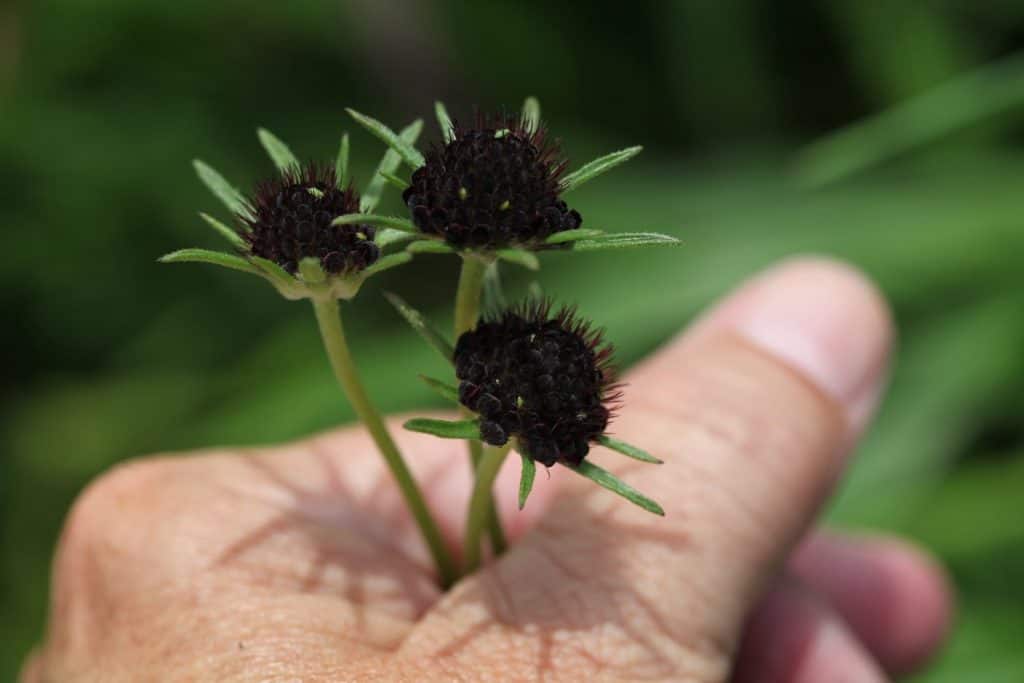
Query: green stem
column 467, row 312
column 328, row 315
column 481, row 504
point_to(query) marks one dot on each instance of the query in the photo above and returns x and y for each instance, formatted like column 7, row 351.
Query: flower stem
column 481, row 504
column 328, row 316
column 467, row 312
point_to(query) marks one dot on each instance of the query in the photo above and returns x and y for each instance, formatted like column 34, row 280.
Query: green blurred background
column 887, row 133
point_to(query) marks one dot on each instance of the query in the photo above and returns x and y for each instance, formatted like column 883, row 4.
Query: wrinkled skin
column 299, row 562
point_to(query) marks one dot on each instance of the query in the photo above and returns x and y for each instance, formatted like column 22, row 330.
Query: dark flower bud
column 549, row 381
column 292, row 221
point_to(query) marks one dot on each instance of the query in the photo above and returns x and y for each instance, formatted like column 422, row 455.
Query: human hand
column 299, row 562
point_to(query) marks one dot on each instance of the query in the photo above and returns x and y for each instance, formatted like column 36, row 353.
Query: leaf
column 278, row 152
column 217, row 258
column 394, row 180
column 444, row 121
column 531, row 114
column 429, row 247
column 388, row 236
column 388, row 164
column 596, row 167
column 463, row 429
column 223, row 190
column 493, row 296
column 609, row 481
column 521, row 257
column 386, row 263
column 628, row 450
column 341, row 163
column 225, row 232
column 442, row 389
column 393, row 222
column 311, row 270
column 409, row 154
column 276, row 273
column 625, row 240
column 422, row 326
column 526, row 479
column 573, row 235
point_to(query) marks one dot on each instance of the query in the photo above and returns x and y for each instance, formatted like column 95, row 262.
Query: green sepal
column 628, row 450
column 388, row 236
column 422, row 326
column 625, row 240
column 526, row 479
column 493, row 296
column 430, row 247
column 442, row 389
column 278, row 152
column 531, row 114
column 388, row 164
column 444, row 122
column 312, row 271
column 409, row 154
column 289, row 287
column 222, row 189
column 609, row 481
column 217, row 258
column 394, row 180
column 393, row 222
column 573, row 235
column 225, row 231
column 520, row 257
column 445, row 429
column 386, row 263
column 596, row 167
column 341, row 163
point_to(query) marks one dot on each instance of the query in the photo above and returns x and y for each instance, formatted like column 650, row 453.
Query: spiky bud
column 494, row 185
column 544, row 378
column 292, row 221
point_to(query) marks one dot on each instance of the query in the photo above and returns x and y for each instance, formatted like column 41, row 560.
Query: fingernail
column 827, row 322
column 836, row 656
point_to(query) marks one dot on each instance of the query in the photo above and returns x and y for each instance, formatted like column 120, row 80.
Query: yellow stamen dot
column 504, row 205
column 361, row 235
column 463, row 193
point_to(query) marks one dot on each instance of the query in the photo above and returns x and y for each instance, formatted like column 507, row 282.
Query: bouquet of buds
column 531, row 376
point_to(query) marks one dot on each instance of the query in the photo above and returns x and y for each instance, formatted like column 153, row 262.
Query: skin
column 298, row 562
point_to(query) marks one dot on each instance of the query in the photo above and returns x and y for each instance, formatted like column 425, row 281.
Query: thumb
column 751, row 412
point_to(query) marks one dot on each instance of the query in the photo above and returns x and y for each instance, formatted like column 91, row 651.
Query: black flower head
column 494, row 185
column 544, row 378
column 292, row 221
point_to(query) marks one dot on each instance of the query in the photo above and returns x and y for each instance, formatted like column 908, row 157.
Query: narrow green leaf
column 443, row 389
column 521, row 257
column 276, row 273
column 393, row 222
column 609, row 481
column 422, row 326
column 625, row 240
column 573, row 235
column 217, row 258
column 225, row 232
column 493, row 294
column 222, row 189
column 394, row 180
column 429, row 247
column 628, row 449
column 278, row 152
column 386, row 263
column 410, row 155
column 526, row 479
column 444, row 121
column 596, row 167
column 311, row 270
column 388, row 236
column 463, row 429
column 341, row 163
column 388, row 164
column 531, row 114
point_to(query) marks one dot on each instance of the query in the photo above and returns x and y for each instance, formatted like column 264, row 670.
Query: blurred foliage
column 885, row 133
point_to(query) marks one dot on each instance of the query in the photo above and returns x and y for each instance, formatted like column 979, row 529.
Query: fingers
column 794, row 637
column 751, row 414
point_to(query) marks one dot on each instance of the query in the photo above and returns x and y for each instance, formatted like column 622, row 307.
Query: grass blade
column 625, row 240
column 628, row 450
column 609, row 481
column 388, row 164
column 597, row 167
column 217, row 258
column 409, row 154
column 393, row 222
column 341, row 163
column 222, row 189
column 573, row 235
column 278, row 152
column 444, row 121
column 224, row 231
column 445, row 429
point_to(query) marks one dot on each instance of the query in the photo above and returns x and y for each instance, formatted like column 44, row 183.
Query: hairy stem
column 481, row 504
column 328, row 315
